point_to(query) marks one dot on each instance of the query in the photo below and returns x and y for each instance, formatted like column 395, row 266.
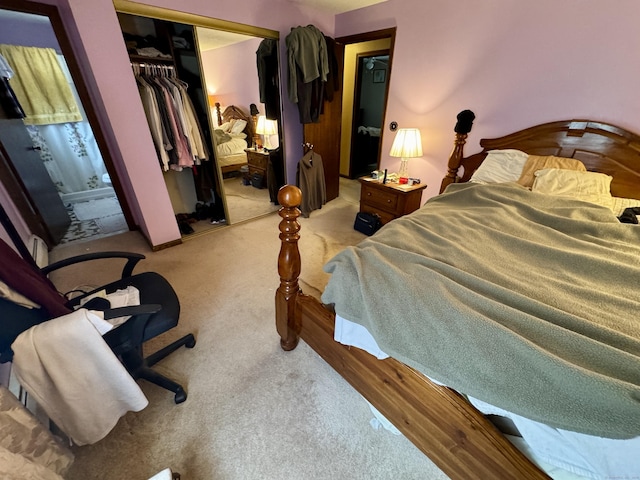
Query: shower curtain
column 55, row 121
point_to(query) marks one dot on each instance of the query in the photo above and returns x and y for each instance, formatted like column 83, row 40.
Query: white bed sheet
column 236, row 145
column 562, row 454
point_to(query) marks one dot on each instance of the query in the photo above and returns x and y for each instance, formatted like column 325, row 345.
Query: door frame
column 389, row 33
column 356, row 103
column 80, row 81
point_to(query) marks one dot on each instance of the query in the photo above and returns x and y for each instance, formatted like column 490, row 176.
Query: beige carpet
column 254, row 411
column 245, row 201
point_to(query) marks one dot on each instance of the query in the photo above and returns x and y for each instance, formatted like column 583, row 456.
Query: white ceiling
column 211, row 39
column 337, row 6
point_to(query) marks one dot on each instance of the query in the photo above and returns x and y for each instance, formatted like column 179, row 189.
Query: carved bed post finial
column 462, row 129
column 454, row 161
column 218, row 113
column 289, row 267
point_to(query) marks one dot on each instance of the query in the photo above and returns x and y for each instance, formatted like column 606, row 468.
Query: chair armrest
column 146, row 309
column 132, row 260
column 129, row 335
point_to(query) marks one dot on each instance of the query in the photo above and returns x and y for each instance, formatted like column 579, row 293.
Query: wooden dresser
column 389, row 200
column 258, row 161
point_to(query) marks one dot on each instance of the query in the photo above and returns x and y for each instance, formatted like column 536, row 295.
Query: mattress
column 562, row 454
column 234, row 159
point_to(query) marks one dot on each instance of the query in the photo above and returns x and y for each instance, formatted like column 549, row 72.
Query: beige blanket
column 526, row 301
column 71, row 372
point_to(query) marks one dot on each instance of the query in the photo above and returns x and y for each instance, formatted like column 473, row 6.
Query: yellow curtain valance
column 40, row 85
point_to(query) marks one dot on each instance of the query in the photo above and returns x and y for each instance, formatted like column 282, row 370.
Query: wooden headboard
column 600, row 146
column 234, row 113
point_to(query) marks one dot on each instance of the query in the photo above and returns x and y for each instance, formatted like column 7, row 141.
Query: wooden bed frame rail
column 439, row 421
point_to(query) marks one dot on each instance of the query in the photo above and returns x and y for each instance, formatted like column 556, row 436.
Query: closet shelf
column 142, row 59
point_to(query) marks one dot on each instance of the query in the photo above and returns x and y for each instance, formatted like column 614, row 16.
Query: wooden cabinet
column 258, row 162
column 389, row 200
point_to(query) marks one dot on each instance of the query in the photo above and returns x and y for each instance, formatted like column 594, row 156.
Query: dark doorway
column 369, row 102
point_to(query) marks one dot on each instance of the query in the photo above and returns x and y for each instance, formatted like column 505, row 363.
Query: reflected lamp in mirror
column 406, row 145
column 267, row 128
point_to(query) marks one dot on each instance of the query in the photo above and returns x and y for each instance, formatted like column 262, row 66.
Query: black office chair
column 159, row 310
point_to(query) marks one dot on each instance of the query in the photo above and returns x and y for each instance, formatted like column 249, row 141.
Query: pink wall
column 515, row 64
column 231, row 75
column 99, row 43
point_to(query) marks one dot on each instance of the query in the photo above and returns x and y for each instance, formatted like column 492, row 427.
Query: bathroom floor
column 94, row 218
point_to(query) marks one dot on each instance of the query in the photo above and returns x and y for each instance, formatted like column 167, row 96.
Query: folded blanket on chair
column 71, row 372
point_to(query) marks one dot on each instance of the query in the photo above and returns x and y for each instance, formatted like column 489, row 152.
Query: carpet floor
column 253, row 411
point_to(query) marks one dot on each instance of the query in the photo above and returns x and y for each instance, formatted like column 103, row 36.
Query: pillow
column 571, row 183
column 538, row 162
column 226, row 126
column 238, row 127
column 500, row 166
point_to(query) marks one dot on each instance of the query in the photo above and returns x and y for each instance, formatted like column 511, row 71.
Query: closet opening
column 214, row 69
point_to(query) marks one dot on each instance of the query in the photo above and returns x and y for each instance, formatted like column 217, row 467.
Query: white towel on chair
column 71, row 372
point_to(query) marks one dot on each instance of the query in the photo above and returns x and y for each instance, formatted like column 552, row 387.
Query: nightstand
column 258, row 161
column 389, row 200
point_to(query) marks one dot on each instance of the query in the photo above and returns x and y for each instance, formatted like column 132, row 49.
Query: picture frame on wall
column 379, row 76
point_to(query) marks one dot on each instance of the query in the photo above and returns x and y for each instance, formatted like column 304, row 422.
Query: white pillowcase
column 238, row 127
column 500, row 166
column 589, row 187
column 571, row 183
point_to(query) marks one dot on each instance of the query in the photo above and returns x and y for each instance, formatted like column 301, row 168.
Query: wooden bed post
column 454, row 161
column 287, row 323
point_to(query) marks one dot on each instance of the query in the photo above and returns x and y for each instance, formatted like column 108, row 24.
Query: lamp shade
column 407, row 143
column 266, row 127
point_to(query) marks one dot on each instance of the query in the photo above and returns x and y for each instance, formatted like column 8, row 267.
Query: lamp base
column 403, row 175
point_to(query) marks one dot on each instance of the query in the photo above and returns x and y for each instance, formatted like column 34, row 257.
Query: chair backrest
column 15, row 319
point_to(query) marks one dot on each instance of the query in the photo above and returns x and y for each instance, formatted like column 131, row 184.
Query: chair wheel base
column 180, row 396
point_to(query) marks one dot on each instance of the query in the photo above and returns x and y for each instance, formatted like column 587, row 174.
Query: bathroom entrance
column 55, row 162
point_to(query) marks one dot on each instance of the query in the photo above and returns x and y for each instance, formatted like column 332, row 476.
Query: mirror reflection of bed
column 228, row 63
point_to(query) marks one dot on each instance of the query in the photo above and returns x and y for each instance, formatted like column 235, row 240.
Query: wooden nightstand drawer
column 385, row 217
column 387, row 200
column 257, row 160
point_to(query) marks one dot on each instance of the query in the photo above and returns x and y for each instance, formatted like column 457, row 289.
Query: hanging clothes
column 332, row 84
column 170, row 113
column 268, row 77
column 308, row 69
column 310, row 179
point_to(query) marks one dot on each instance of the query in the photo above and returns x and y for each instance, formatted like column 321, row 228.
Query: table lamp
column 406, row 145
column 266, row 128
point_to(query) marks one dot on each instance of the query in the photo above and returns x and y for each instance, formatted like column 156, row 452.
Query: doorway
column 369, row 103
column 67, row 192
